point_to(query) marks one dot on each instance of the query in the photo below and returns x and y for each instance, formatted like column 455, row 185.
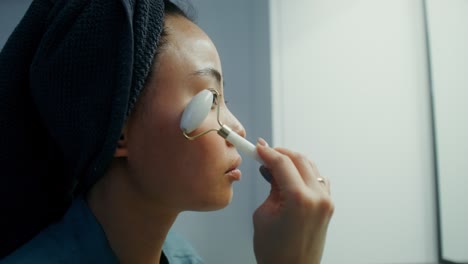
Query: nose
column 239, row 129
column 235, row 125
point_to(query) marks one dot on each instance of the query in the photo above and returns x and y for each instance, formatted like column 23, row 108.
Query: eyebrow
column 210, row 72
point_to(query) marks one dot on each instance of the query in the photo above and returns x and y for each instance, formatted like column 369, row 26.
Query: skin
column 157, row 173
column 291, row 225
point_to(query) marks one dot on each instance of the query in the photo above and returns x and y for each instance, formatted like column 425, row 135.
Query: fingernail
column 262, row 142
column 265, row 173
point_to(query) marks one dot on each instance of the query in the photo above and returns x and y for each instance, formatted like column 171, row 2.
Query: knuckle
column 325, row 205
column 312, row 163
column 280, row 160
column 299, row 198
column 303, row 159
column 332, row 209
column 307, row 203
column 300, row 157
column 322, row 204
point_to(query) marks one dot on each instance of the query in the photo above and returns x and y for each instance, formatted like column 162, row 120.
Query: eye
column 215, row 101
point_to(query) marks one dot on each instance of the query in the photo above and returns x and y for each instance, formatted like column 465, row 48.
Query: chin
column 216, row 203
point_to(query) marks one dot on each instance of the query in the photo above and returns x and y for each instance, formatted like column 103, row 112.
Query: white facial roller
column 196, row 112
column 242, row 144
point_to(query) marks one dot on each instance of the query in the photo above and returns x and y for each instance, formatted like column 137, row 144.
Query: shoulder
column 44, row 248
column 76, row 238
column 179, row 251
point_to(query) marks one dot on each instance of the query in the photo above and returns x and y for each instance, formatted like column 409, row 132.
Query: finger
column 303, row 165
column 314, row 167
column 328, row 184
column 281, row 167
column 325, row 183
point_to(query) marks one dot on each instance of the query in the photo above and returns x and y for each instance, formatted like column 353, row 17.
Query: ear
column 121, row 150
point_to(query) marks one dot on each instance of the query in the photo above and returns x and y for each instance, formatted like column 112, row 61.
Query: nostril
column 229, row 144
column 239, row 129
column 242, row 133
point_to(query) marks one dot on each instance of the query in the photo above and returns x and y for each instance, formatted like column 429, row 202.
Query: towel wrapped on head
column 70, row 75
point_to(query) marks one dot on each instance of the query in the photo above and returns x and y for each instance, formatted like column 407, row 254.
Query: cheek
column 205, row 185
column 154, row 149
column 183, row 173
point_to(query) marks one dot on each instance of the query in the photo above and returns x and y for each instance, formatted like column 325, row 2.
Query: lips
column 235, row 164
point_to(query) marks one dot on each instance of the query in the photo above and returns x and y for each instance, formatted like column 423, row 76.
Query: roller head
column 196, row 111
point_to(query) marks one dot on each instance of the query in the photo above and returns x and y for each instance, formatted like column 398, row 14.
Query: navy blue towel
column 69, row 76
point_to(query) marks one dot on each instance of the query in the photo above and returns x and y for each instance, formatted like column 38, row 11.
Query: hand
column 291, row 225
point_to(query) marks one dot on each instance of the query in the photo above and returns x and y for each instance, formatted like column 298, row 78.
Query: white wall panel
column 449, row 41
column 350, row 89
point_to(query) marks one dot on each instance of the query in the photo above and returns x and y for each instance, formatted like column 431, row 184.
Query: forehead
column 188, row 46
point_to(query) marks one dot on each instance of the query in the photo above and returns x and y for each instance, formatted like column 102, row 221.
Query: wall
column 350, row 89
column 11, row 11
column 449, row 56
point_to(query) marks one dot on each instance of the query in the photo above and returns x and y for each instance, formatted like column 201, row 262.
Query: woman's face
column 164, row 166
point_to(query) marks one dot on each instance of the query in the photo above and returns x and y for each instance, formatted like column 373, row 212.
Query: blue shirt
column 78, row 238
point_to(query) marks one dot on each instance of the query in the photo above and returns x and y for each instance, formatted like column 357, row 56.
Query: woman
column 113, row 129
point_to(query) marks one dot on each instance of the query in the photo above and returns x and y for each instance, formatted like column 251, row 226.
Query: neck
column 135, row 228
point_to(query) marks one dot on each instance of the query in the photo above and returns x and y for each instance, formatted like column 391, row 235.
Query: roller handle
column 246, row 147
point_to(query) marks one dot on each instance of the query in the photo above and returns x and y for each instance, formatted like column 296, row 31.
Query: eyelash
column 215, row 102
